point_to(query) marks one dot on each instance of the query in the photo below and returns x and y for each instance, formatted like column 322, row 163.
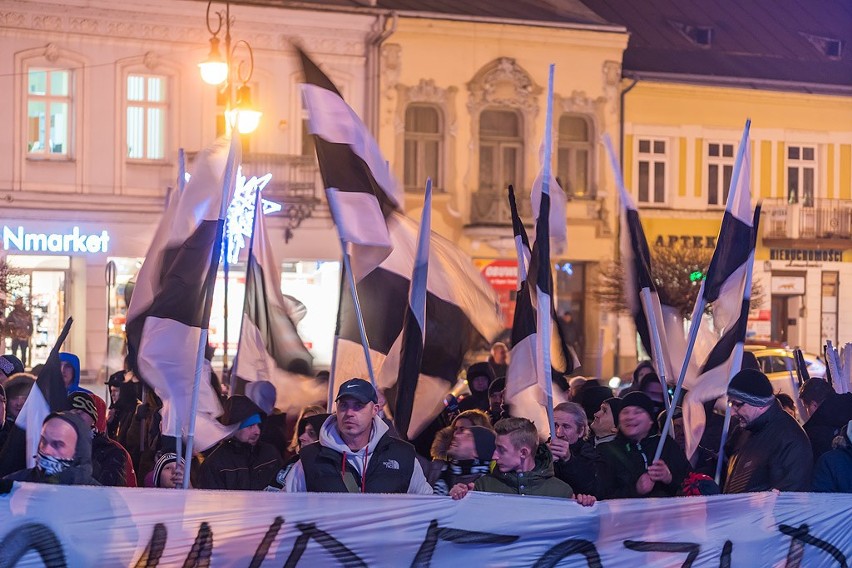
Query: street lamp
column 216, row 70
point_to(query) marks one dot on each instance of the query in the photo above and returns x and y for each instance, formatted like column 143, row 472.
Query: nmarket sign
column 72, row 242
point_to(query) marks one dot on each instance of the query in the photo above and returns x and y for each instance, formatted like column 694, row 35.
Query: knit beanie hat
column 639, row 399
column 591, row 398
column 82, row 401
column 10, row 365
column 484, row 440
column 164, row 460
column 615, row 405
column 751, row 387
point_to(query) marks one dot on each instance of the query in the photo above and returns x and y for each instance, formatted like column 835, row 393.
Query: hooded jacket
column 74, row 361
column 623, row 462
column 385, row 465
column 79, row 472
column 828, row 421
column 540, row 481
column 833, row 469
column 774, row 453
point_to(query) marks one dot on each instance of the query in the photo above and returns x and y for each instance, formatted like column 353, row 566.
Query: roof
column 548, row 12
column 787, row 42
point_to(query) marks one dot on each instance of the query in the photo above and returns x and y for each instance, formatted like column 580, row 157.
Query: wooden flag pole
column 347, row 266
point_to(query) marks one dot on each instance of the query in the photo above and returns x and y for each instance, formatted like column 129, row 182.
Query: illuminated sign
column 71, row 242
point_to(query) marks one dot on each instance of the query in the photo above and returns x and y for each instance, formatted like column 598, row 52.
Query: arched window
column 424, row 138
column 501, row 150
column 574, row 155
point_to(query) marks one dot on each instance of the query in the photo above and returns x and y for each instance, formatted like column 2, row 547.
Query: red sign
column 502, row 274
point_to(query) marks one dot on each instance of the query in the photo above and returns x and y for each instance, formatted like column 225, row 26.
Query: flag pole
column 334, row 343
column 232, row 383
column 544, row 246
column 347, row 265
column 227, row 180
column 657, row 346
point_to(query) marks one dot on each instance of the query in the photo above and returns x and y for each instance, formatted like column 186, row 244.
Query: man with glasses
column 773, row 451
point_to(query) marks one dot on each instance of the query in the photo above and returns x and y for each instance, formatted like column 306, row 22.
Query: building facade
column 100, row 98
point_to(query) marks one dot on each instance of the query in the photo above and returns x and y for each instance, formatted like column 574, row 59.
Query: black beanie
column 592, row 397
column 615, row 405
column 483, row 439
column 751, row 387
column 639, row 399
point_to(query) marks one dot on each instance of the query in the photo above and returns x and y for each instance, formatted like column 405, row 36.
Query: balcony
column 828, row 222
column 296, row 185
column 489, row 208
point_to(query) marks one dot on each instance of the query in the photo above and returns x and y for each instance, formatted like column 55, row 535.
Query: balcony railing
column 826, row 219
column 491, row 208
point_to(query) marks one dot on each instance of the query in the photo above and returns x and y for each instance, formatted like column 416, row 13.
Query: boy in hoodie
column 355, row 453
column 64, row 453
column 523, row 466
column 70, row 366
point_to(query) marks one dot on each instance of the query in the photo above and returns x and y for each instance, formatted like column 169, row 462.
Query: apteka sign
column 72, row 242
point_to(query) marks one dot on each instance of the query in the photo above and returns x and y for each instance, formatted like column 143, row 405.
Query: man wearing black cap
column 774, row 452
column 479, row 378
column 469, row 458
column 64, row 453
column 628, row 468
column 605, row 423
column 355, row 453
column 241, row 462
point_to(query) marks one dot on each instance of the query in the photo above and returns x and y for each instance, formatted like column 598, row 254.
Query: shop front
column 84, row 265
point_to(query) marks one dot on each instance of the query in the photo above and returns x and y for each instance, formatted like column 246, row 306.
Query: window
column 501, row 150
column 801, row 170
column 48, row 111
column 652, row 171
column 146, row 117
column 574, row 155
column 720, row 169
column 423, row 147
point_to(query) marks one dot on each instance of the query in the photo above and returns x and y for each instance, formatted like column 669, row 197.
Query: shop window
column 652, row 160
column 574, row 155
column 146, row 115
column 424, row 136
column 501, row 150
column 801, row 175
column 720, row 168
column 49, row 111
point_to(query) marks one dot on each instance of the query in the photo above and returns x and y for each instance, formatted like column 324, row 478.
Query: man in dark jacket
column 773, row 451
column 64, row 453
column 355, row 453
column 241, row 462
column 628, row 467
column 833, row 469
column 523, row 466
column 479, row 378
column 575, row 459
column 111, row 465
column 828, row 413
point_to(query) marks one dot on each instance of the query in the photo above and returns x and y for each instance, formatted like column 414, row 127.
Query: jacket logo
column 391, row 464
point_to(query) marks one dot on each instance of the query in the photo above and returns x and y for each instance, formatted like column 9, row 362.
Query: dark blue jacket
column 833, row 472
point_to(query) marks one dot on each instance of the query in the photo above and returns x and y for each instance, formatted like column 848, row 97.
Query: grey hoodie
column 330, row 438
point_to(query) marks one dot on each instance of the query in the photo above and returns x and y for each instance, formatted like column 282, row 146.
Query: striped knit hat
column 751, row 387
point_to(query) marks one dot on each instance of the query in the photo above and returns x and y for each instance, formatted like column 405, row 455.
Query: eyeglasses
column 735, row 404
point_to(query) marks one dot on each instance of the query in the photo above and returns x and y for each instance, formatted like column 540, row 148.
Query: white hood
column 330, row 438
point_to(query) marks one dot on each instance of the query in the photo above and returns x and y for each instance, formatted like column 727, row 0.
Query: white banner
column 43, row 525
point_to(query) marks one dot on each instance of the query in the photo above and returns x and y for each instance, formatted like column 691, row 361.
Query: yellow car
column 779, row 364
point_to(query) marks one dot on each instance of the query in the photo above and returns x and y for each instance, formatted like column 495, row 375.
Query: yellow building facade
column 680, row 143
column 464, row 102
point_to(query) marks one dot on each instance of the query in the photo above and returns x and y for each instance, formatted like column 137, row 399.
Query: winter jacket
column 236, row 465
column 385, row 465
column 833, row 472
column 80, row 471
column 539, row 482
column 828, row 421
column 580, row 471
column 774, row 453
column 111, row 463
column 623, row 462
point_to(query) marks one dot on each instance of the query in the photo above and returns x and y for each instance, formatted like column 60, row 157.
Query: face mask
column 50, row 465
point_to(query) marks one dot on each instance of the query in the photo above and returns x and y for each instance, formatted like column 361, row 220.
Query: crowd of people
column 602, row 446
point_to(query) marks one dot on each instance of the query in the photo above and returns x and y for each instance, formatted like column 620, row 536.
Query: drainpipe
column 617, row 359
column 374, row 66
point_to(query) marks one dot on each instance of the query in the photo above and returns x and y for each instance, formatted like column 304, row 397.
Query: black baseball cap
column 359, row 389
